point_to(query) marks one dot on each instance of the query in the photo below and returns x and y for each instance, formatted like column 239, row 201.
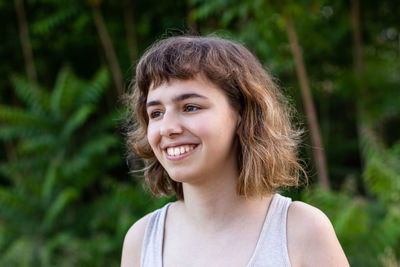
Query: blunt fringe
column 268, row 142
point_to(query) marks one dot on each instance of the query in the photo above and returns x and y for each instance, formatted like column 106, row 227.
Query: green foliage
column 65, row 198
column 368, row 222
column 63, row 150
column 50, row 23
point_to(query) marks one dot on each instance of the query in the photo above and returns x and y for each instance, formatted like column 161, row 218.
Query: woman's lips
column 179, row 152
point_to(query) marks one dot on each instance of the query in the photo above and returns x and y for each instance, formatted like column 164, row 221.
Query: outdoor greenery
column 67, row 196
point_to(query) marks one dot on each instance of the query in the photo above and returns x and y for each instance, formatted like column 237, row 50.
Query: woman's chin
column 182, row 177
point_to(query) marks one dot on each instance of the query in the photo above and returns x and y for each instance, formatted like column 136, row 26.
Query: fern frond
column 12, row 201
column 77, row 120
column 18, row 116
column 383, row 232
column 54, row 20
column 50, row 178
column 351, row 221
column 382, row 171
column 61, row 150
column 58, row 91
column 70, row 98
column 390, row 230
column 383, row 180
column 39, row 144
column 57, row 241
column 98, row 147
column 23, row 167
column 19, row 253
column 95, row 88
column 18, row 131
column 63, row 199
column 37, row 100
column 25, row 92
column 110, row 121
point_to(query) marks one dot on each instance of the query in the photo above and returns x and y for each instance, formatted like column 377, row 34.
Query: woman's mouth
column 179, row 152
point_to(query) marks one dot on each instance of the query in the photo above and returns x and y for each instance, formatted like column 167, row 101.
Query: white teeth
column 176, row 151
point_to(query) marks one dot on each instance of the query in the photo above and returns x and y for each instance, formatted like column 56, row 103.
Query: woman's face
column 192, row 129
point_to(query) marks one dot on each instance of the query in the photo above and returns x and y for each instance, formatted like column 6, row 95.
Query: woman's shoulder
column 311, row 238
column 132, row 247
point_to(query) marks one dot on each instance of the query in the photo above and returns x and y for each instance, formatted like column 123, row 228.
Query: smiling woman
column 215, row 131
column 192, row 115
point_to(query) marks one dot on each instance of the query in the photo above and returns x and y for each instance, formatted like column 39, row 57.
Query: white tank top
column 271, row 249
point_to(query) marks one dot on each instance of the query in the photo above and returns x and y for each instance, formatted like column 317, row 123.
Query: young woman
column 215, row 131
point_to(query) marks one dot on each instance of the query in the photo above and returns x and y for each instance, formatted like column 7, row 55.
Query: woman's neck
column 215, row 204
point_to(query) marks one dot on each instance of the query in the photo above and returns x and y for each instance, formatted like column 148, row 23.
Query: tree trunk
column 130, row 31
column 108, row 49
column 25, row 42
column 357, row 41
column 318, row 149
column 364, row 129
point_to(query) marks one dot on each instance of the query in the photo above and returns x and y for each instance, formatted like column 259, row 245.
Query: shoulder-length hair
column 267, row 151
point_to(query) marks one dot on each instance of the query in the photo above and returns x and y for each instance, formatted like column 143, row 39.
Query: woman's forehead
column 176, row 89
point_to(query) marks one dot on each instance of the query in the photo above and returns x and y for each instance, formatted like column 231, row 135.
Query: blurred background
column 66, row 195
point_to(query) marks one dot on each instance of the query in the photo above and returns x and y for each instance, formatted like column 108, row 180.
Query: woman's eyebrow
column 152, row 103
column 186, row 96
column 176, row 99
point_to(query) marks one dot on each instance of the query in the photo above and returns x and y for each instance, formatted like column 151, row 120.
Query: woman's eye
column 190, row 108
column 155, row 114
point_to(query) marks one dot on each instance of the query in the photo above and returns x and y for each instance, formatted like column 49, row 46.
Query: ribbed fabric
column 271, row 249
column 153, row 239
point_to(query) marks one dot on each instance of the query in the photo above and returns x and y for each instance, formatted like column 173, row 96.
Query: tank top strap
column 151, row 255
column 271, row 249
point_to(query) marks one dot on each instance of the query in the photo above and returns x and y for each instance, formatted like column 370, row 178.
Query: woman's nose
column 170, row 125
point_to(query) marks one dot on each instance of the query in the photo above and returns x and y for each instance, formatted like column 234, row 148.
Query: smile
column 180, row 151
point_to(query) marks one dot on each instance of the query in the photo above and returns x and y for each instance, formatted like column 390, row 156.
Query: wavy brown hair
column 267, row 153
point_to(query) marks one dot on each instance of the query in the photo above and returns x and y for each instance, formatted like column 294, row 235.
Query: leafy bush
column 59, row 205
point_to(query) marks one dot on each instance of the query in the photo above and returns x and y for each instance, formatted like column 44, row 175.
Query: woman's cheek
column 152, row 136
